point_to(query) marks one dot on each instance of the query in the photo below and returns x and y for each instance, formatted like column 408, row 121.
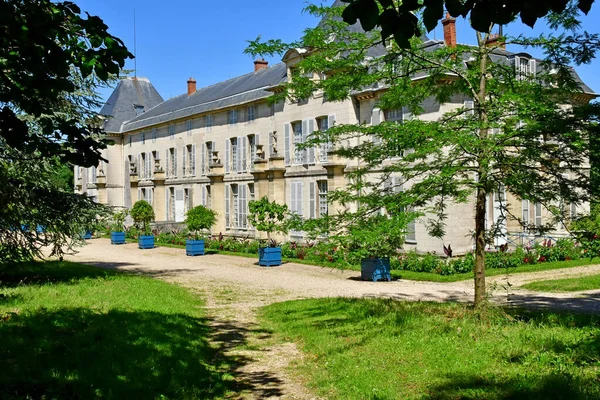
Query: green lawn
column 384, row 349
column 591, row 282
column 74, row 331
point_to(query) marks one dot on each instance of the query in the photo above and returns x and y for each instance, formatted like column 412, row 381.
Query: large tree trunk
column 480, row 206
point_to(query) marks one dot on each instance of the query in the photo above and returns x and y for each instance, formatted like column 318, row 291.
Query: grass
column 384, row 349
column 74, row 331
column 591, row 282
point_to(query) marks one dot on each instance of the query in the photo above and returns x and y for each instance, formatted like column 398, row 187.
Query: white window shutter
column 175, row 162
column 166, row 204
column 304, row 138
column 242, row 206
column 406, row 114
column 244, row 153
column 311, row 150
column 376, row 120
column 139, row 194
column 227, row 200
column 313, row 205
column 184, row 159
column 167, row 163
column 299, row 198
column 203, row 150
column 532, row 67
column 140, row 167
column 240, row 141
column 193, row 160
column 227, row 155
column 286, row 143
column 271, row 150
column 293, row 196
column 469, row 107
column 204, row 195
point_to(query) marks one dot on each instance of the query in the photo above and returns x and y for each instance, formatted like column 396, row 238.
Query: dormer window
column 139, row 109
column 525, row 67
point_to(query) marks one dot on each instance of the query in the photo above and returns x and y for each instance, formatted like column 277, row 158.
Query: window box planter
column 117, row 238
column 146, row 242
column 87, row 235
column 194, row 247
column 269, row 256
column 375, row 269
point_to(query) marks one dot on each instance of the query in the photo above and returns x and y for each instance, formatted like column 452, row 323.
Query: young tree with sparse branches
column 526, row 133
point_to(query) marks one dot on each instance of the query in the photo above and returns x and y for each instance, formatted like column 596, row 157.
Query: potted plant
column 142, row 213
column 268, row 216
column 373, row 241
column 198, row 219
column 117, row 227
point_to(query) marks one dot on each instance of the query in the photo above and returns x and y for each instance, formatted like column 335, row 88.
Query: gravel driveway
column 235, row 287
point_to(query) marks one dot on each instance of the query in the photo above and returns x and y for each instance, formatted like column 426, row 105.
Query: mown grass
column 384, row 349
column 591, row 282
column 74, row 331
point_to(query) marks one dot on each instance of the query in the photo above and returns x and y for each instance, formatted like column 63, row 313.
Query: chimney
column 449, row 24
column 494, row 41
column 260, row 64
column 191, row 86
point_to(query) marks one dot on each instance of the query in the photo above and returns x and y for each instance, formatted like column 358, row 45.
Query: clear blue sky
column 205, row 39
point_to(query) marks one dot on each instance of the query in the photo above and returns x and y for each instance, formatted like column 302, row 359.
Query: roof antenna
column 134, row 48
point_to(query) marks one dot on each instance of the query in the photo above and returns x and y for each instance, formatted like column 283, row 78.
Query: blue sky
column 205, row 39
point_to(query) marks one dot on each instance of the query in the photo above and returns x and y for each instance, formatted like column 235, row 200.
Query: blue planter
column 146, row 242
column 269, row 256
column 194, row 247
column 375, row 269
column 87, row 235
column 117, row 238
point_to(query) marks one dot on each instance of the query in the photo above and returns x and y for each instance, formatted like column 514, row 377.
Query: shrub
column 267, row 216
column 200, row 218
column 142, row 213
column 118, row 220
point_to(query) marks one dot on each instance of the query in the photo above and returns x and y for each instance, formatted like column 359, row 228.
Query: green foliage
column 142, row 213
column 401, row 22
column 578, row 284
column 151, row 336
column 118, row 219
column 200, row 218
column 267, row 216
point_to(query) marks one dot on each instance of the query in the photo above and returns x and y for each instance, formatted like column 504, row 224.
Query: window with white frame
column 322, row 126
column 171, row 204
column 232, row 117
column 142, row 166
column 139, row 109
column 93, row 175
column 172, row 131
column 206, row 199
column 394, row 115
column 234, row 154
column 573, row 212
column 251, row 113
column 298, row 139
column 525, row 212
column 411, row 228
column 323, row 207
column 146, row 194
column 188, row 127
column 154, row 135
column 208, row 122
column 252, row 147
column 538, row 214
column 155, row 161
column 187, row 200
column 172, row 163
column 190, row 160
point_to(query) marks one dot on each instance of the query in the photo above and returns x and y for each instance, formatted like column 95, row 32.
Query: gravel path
column 235, row 287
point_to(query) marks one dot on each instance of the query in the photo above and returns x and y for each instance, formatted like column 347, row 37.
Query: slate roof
column 243, row 89
column 120, row 106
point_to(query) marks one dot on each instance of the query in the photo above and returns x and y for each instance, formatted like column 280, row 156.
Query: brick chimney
column 493, row 41
column 449, row 24
column 191, row 86
column 260, row 64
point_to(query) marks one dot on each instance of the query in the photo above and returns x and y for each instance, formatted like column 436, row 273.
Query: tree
column 200, row 218
column 143, row 213
column 52, row 61
column 399, row 19
column 525, row 132
column 267, row 216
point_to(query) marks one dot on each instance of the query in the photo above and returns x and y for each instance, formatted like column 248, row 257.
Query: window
column 234, row 199
column 209, row 123
column 298, row 139
column 172, row 163
column 189, row 160
column 156, row 159
column 538, row 214
column 322, row 126
column 93, row 173
column 252, row 144
column 296, row 198
column 411, row 227
column 146, row 194
column 524, row 67
column 188, row 127
column 139, row 109
column 232, row 117
column 143, row 137
column 171, row 204
column 573, row 210
column 129, row 139
column 207, row 150
column 322, row 186
column 234, row 154
column 236, row 206
column 172, row 131
column 187, row 199
column 525, row 213
column 154, row 135
column 394, row 115
column 142, row 166
column 251, row 113
column 206, row 201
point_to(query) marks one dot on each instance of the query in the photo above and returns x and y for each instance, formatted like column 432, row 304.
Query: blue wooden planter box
column 146, row 242
column 117, row 238
column 269, row 256
column 87, row 235
column 194, row 247
column 375, row 269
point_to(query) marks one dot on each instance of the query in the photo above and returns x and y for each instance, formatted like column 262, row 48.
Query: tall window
column 252, row 144
column 129, row 140
column 143, row 166
column 188, row 127
column 411, row 228
column 172, row 131
column 323, row 125
column 172, row 163
column 322, row 185
column 190, row 160
column 236, row 208
column 187, row 199
column 209, row 123
column 234, row 154
column 143, row 137
column 154, row 134
column 538, row 214
column 525, row 214
column 298, row 139
column 232, row 117
column 251, row 113
column 171, row 205
column 146, row 194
